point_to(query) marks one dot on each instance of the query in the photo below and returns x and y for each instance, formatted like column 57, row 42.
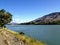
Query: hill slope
column 52, row 18
column 8, row 37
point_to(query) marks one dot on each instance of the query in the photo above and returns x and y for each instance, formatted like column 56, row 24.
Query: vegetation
column 5, row 17
column 42, row 23
column 28, row 40
column 21, row 33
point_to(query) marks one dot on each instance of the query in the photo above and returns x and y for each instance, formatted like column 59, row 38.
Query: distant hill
column 52, row 18
column 13, row 23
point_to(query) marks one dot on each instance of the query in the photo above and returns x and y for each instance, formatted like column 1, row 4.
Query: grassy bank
column 29, row 40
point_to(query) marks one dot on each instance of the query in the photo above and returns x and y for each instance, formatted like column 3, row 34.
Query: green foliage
column 43, row 23
column 21, row 33
column 5, row 17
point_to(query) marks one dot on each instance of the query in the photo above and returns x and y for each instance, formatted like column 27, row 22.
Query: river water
column 48, row 33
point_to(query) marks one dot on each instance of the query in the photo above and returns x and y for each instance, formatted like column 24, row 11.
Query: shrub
column 21, row 33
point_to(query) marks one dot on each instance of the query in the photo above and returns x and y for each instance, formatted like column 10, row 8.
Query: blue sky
column 27, row 10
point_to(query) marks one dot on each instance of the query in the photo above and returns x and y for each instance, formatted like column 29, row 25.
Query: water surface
column 47, row 33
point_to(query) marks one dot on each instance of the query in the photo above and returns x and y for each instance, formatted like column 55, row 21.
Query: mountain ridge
column 52, row 18
column 52, row 15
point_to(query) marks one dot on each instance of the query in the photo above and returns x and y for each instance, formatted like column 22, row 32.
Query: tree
column 5, row 17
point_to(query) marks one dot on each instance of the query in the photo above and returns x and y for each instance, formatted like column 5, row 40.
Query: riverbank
column 8, row 37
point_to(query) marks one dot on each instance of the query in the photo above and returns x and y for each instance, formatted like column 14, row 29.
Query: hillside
column 8, row 37
column 52, row 18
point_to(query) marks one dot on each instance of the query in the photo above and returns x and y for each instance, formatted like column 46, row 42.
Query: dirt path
column 2, row 42
column 6, row 38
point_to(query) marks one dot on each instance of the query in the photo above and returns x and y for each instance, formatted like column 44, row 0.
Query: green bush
column 21, row 33
column 5, row 17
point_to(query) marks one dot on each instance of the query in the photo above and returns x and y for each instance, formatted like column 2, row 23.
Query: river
column 48, row 33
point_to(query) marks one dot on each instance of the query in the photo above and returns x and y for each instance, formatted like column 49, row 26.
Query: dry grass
column 24, row 38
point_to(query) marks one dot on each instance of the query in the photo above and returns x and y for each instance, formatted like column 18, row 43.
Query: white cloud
column 19, row 21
